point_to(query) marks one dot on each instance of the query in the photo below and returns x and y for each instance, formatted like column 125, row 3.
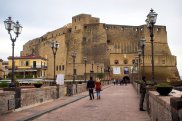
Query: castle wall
column 102, row 44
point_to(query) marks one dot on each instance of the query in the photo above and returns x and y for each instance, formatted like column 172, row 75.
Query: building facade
column 104, row 45
column 29, row 66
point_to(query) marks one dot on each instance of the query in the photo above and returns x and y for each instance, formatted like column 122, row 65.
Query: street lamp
column 85, row 60
column 73, row 54
column 54, row 46
column 92, row 71
column 139, row 62
column 142, row 45
column 151, row 20
column 17, row 28
column 97, row 69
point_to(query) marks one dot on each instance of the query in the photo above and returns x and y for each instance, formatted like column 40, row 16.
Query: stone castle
column 105, row 46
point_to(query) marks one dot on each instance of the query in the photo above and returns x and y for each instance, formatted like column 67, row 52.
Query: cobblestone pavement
column 118, row 103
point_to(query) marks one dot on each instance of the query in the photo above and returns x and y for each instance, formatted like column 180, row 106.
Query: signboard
column 126, row 70
column 116, row 70
column 60, row 79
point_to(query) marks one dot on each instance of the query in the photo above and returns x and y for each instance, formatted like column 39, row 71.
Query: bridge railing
column 162, row 108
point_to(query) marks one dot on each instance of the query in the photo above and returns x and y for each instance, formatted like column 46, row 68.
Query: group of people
column 122, row 81
column 91, row 85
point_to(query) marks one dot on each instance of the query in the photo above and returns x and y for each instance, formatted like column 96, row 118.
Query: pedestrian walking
column 98, row 87
column 90, row 88
column 114, row 81
column 125, row 80
column 121, row 82
column 117, row 81
column 142, row 92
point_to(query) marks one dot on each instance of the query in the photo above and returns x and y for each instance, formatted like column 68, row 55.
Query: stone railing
column 28, row 97
column 7, row 101
column 106, row 82
column 163, row 108
column 38, row 95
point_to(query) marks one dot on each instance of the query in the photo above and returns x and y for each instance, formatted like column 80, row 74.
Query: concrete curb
column 34, row 116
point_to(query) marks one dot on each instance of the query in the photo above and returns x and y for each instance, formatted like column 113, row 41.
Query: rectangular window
column 60, row 67
column 163, row 62
column 63, row 67
column 34, row 64
column 57, row 68
column 27, row 63
column 126, row 70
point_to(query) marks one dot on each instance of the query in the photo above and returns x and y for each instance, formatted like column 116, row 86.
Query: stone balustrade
column 35, row 96
column 7, row 101
column 163, row 108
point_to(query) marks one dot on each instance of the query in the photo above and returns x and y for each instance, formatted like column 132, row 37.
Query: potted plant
column 163, row 88
column 38, row 84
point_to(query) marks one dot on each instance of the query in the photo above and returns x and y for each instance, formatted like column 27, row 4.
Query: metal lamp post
column 85, row 60
column 137, row 65
column 73, row 54
column 151, row 20
column 142, row 45
column 92, row 71
column 139, row 62
column 97, row 69
column 101, row 69
column 17, row 28
column 54, row 46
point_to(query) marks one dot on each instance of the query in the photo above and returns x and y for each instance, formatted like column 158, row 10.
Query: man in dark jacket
column 90, row 87
column 142, row 92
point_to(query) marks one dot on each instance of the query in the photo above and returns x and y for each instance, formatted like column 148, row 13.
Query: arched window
column 125, row 61
column 116, row 62
column 133, row 61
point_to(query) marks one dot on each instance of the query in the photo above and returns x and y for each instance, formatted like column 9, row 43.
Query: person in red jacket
column 98, row 87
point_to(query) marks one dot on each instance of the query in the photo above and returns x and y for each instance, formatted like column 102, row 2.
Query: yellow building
column 5, row 69
column 29, row 66
column 1, row 69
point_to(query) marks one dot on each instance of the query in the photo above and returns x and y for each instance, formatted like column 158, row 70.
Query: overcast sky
column 40, row 16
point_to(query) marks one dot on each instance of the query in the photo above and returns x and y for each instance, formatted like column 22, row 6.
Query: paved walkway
column 118, row 103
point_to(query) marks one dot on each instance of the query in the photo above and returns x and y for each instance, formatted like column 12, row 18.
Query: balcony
column 39, row 67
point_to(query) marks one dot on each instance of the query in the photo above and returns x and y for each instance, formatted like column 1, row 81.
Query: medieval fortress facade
column 105, row 46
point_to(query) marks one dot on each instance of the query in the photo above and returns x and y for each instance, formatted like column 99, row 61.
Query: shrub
column 4, row 84
column 163, row 85
column 38, row 82
column 100, row 75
